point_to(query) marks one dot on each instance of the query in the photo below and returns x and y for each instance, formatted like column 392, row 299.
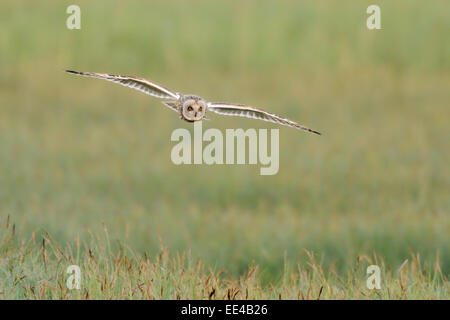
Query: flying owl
column 191, row 107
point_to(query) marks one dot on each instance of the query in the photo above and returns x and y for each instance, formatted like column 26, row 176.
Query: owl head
column 194, row 108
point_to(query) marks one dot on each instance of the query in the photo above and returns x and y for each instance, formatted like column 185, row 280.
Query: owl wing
column 255, row 113
column 171, row 104
column 140, row 84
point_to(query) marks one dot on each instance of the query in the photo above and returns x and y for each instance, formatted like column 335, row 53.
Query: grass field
column 86, row 176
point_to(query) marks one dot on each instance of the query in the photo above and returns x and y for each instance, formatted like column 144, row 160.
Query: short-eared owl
column 191, row 107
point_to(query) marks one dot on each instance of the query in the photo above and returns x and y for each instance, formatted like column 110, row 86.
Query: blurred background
column 77, row 153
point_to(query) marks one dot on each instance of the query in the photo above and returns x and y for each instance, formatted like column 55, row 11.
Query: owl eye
column 200, row 109
column 190, row 108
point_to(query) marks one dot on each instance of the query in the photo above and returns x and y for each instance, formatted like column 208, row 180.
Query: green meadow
column 86, row 176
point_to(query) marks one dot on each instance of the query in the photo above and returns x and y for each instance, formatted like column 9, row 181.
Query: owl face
column 193, row 109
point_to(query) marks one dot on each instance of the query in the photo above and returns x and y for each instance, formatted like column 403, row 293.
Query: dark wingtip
column 71, row 71
column 313, row 131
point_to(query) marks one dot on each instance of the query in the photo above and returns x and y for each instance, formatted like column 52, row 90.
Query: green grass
column 38, row 270
column 80, row 155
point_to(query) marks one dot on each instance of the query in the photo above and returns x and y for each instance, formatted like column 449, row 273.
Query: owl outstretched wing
column 240, row 110
column 140, row 84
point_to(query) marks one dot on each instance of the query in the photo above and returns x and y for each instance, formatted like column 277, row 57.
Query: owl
column 191, row 107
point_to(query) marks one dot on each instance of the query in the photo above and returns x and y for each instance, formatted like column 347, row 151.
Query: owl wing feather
column 241, row 110
column 171, row 104
column 140, row 84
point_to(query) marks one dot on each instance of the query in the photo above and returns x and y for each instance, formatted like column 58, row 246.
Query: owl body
column 192, row 107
